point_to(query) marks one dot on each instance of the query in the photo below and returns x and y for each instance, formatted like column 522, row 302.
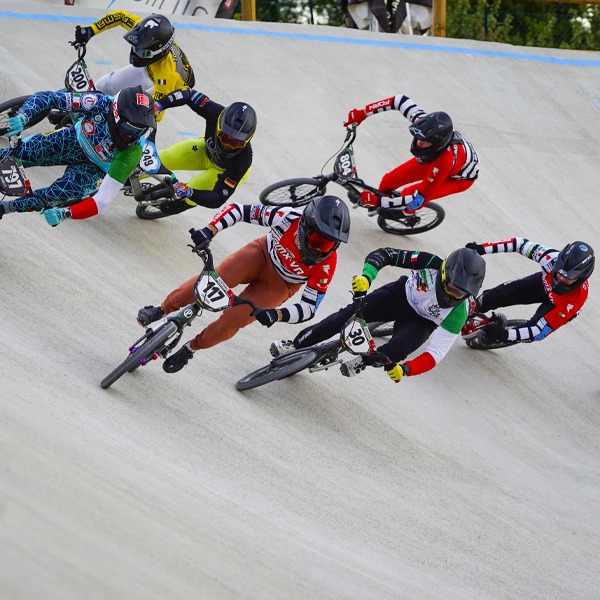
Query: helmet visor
column 318, row 244
column 130, row 132
column 230, row 142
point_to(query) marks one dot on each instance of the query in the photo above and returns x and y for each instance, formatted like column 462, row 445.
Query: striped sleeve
column 303, row 310
column 541, row 254
column 404, row 104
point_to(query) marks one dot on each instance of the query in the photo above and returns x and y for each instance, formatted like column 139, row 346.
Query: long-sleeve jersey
column 234, row 164
column 284, row 253
column 171, row 72
column 94, row 137
column 564, row 306
column 421, row 295
column 459, row 161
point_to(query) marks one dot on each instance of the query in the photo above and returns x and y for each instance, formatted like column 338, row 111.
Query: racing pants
column 387, row 303
column 250, row 265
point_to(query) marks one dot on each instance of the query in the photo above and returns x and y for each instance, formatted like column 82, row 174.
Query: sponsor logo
column 151, row 24
column 88, row 101
column 188, row 313
column 326, row 268
column 142, row 100
column 569, row 307
column 377, row 105
column 89, row 127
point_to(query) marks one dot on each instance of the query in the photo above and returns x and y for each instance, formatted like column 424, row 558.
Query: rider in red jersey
column 444, row 162
column 561, row 289
column 299, row 250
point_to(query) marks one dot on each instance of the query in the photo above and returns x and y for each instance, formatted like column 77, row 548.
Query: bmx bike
column 301, row 190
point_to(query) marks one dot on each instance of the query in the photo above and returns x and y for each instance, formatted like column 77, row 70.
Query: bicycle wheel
column 11, row 107
column 477, row 344
column 278, row 368
column 152, row 345
column 292, row 192
column 393, row 220
column 151, row 211
column 381, row 328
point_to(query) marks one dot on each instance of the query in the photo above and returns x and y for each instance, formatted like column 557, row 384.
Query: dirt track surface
column 477, row 480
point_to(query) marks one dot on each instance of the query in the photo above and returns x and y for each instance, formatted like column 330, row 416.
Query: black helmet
column 235, row 127
column 576, row 262
column 324, row 224
column 150, row 40
column 461, row 275
column 435, row 128
column 131, row 116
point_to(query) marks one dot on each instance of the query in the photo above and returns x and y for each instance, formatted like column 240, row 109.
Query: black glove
column 477, row 247
column 494, row 332
column 83, row 34
column 266, row 316
column 202, row 237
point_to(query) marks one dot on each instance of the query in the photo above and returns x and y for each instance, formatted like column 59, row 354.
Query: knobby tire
column 279, row 368
column 424, row 219
column 292, row 192
column 145, row 351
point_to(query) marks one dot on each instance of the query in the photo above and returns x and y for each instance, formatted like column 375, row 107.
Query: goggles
column 229, row 141
column 318, row 244
column 452, row 290
column 130, row 132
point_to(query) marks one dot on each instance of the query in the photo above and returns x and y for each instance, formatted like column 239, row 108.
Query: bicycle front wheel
column 279, row 368
column 142, row 354
column 477, row 344
column 11, row 107
column 293, row 192
column 393, row 220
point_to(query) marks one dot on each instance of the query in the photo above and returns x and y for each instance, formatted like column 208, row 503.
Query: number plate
column 356, row 337
column 212, row 292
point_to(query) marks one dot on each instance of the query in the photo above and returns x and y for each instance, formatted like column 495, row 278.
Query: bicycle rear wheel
column 11, row 107
column 278, row 368
column 293, row 192
column 477, row 344
column 139, row 357
column 393, row 220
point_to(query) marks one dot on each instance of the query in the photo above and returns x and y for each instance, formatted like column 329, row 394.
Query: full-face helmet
column 131, row 116
column 324, row 224
column 460, row 275
column 434, row 128
column 235, row 127
column 575, row 263
column 150, row 40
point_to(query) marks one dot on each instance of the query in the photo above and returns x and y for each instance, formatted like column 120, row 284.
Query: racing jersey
column 171, row 72
column 234, row 164
column 284, row 253
column 564, row 306
column 421, row 295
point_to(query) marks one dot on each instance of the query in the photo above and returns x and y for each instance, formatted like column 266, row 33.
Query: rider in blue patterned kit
column 100, row 151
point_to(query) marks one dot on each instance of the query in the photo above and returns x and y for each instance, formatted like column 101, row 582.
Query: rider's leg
column 252, row 265
column 127, row 76
column 60, row 147
column 526, row 290
column 387, row 303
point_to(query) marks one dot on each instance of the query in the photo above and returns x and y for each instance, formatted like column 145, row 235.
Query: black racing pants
column 387, row 303
column 526, row 290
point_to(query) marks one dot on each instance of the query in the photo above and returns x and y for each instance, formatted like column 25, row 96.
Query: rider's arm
column 122, row 165
column 114, row 18
column 407, row 259
column 200, row 103
column 404, row 104
column 541, row 254
column 227, row 182
column 304, row 310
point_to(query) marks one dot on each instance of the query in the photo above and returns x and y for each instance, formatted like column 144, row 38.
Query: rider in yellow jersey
column 157, row 63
